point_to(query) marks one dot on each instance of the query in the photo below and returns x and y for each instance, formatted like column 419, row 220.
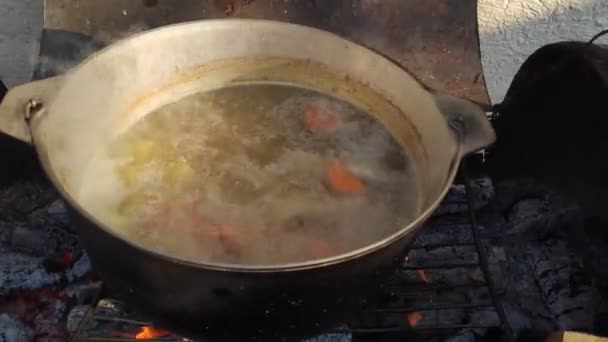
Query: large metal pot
column 68, row 118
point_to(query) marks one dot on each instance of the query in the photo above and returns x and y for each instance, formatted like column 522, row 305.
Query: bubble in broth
column 253, row 174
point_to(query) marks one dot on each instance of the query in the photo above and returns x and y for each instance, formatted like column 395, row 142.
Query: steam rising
column 235, row 176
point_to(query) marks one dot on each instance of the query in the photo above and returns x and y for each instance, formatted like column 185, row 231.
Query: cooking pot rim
column 245, row 268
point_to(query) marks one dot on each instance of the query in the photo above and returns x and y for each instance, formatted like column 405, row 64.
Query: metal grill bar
column 423, row 287
column 436, row 307
column 444, row 244
column 419, row 328
column 434, row 267
column 122, row 320
column 453, row 221
column 121, row 339
column 482, row 256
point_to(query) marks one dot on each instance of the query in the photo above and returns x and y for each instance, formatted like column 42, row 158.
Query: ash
column 40, row 264
column 543, row 260
column 532, row 238
column 529, row 233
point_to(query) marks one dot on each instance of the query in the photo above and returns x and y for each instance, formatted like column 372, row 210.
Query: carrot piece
column 342, row 180
column 320, row 120
column 231, row 239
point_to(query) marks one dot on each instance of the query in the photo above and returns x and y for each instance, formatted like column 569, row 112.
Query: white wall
column 20, row 27
column 510, row 30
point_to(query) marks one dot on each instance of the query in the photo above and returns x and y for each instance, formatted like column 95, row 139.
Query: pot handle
column 468, row 121
column 23, row 102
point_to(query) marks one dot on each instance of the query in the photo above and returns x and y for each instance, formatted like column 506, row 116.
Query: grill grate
column 409, row 297
column 435, row 305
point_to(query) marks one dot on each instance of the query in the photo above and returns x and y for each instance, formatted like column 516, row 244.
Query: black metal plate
column 436, row 40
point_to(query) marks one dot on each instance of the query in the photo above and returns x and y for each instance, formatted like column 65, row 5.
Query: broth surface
column 253, row 174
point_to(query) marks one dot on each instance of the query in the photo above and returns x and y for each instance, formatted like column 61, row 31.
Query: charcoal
column 58, row 212
column 81, row 267
column 49, row 323
column 565, row 289
column 39, row 254
column 438, row 256
column 76, row 316
column 83, row 293
column 451, row 276
column 465, row 336
column 456, row 200
column 444, row 231
column 20, row 200
column 13, row 330
column 531, row 257
column 32, row 240
column 331, row 338
column 54, row 264
column 524, row 228
column 18, row 272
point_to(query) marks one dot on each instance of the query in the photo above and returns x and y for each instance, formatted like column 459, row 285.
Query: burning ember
column 45, row 272
column 414, row 318
column 149, row 333
column 425, row 278
column 146, row 332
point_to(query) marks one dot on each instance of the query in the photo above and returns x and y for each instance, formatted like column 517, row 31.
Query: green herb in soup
column 253, row 174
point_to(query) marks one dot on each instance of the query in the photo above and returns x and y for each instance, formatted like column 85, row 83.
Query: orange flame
column 149, row 333
column 414, row 318
column 425, row 278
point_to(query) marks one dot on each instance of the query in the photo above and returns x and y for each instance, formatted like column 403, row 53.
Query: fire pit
column 493, row 263
column 443, row 288
column 446, row 288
